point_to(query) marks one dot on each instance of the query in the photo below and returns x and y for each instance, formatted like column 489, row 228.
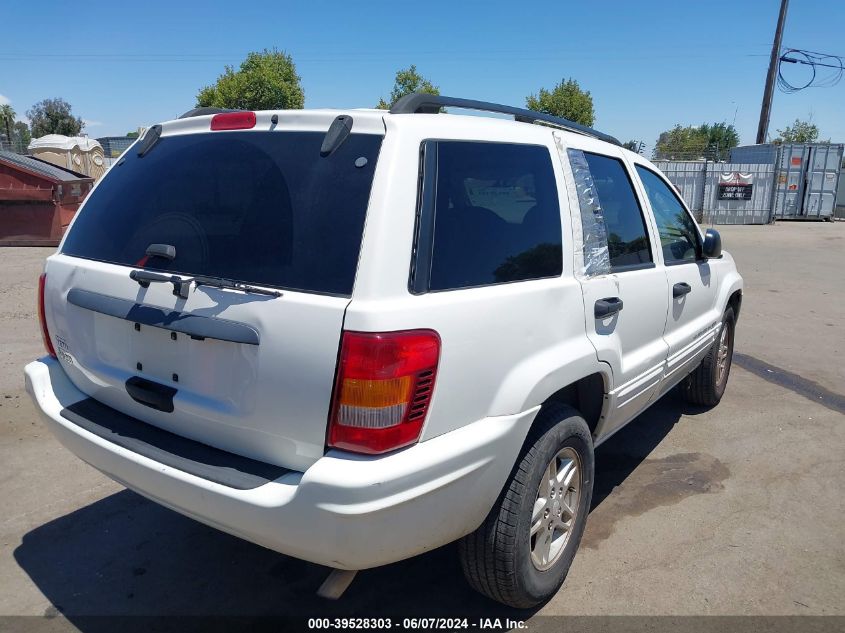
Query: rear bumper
column 346, row 511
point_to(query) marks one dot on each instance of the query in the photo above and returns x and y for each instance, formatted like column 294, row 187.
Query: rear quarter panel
column 505, row 348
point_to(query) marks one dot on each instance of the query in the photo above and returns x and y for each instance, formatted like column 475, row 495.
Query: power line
column 815, row 61
column 315, row 56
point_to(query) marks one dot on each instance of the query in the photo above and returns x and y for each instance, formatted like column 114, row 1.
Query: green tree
column 721, row 138
column 713, row 141
column 7, row 118
column 132, row 135
column 798, row 132
column 408, row 80
column 565, row 100
column 21, row 136
column 264, row 81
column 53, row 116
column 681, row 143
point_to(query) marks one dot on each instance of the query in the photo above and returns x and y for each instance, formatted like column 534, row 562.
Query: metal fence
column 701, row 185
column 757, row 209
column 688, row 178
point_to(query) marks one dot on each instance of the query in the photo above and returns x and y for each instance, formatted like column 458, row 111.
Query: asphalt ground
column 733, row 511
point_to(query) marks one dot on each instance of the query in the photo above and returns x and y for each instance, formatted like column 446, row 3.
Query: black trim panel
column 151, row 394
column 196, row 326
column 164, row 447
column 424, row 230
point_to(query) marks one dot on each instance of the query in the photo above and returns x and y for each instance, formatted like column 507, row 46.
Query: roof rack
column 422, row 103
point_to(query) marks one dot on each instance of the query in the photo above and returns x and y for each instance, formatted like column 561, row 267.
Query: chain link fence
column 16, row 145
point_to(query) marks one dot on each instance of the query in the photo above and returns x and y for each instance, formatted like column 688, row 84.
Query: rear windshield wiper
column 182, row 285
column 220, row 282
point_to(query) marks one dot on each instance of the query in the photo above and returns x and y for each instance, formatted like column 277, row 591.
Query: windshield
column 263, row 208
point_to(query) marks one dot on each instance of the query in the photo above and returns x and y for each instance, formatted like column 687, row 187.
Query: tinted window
column 627, row 239
column 496, row 214
column 678, row 233
column 255, row 207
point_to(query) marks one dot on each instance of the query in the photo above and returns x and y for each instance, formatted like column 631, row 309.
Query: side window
column 678, row 233
column 489, row 214
column 627, row 238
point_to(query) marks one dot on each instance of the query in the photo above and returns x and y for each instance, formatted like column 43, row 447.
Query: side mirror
column 712, row 244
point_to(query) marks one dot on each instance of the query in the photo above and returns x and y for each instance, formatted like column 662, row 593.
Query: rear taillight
column 233, row 121
column 383, row 389
column 45, row 333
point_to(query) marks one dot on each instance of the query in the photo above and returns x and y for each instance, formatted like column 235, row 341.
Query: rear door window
column 489, row 214
column 263, row 208
column 627, row 237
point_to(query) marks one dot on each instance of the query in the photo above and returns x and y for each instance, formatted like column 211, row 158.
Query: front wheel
column 706, row 384
column 521, row 553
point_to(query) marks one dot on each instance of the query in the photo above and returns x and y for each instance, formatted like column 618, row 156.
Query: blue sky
column 648, row 64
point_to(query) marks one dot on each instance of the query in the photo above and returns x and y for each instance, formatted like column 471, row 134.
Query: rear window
column 263, row 208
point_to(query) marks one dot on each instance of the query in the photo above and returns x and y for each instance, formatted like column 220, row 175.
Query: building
column 37, row 200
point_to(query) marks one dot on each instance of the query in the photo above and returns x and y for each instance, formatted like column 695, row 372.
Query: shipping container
column 765, row 154
column 806, row 180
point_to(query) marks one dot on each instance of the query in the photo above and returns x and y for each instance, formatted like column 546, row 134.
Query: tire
column 498, row 558
column 706, row 384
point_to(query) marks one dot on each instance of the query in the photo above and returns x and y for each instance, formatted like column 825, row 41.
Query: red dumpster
column 37, row 200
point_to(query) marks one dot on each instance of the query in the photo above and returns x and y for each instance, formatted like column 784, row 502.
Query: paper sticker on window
column 510, row 201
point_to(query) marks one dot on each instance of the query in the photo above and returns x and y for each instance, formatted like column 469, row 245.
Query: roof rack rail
column 205, row 110
column 422, row 103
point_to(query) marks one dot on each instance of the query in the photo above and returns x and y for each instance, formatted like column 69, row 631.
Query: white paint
column 505, row 350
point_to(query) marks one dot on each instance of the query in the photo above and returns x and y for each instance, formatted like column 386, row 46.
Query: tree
column 264, row 81
column 721, row 138
column 711, row 141
column 7, row 118
column 681, row 143
column 132, row 135
column 53, row 116
column 408, row 80
column 798, row 132
column 21, row 135
column 565, row 100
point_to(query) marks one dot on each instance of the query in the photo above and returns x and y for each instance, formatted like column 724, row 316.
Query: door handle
column 607, row 307
column 679, row 290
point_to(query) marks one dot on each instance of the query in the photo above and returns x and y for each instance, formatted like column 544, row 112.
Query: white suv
column 356, row 336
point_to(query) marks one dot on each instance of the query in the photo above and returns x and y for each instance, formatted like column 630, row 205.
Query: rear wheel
column 706, row 384
column 521, row 553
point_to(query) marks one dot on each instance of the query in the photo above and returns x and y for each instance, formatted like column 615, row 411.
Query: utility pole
column 768, row 93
